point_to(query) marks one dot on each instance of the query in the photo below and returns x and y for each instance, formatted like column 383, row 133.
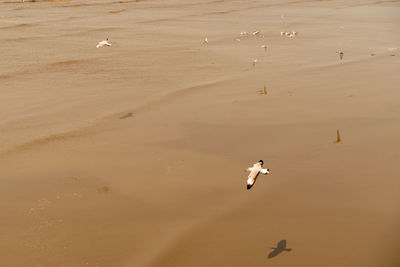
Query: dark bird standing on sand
column 254, row 172
column 340, row 54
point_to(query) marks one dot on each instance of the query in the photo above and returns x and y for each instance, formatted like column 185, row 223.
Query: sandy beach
column 136, row 154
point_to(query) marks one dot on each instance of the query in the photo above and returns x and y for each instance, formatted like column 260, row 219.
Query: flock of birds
column 289, row 34
column 257, row 167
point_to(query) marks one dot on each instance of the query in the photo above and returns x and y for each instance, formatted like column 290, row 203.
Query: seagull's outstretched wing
column 265, row 171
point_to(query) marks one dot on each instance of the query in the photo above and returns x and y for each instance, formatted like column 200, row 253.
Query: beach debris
column 338, row 139
column 264, row 90
column 255, row 62
column 372, row 55
column 265, row 47
column 256, row 32
column 103, row 43
column 340, row 54
column 237, row 40
column 244, row 33
column 290, row 93
column 205, row 41
column 254, row 172
column 127, row 115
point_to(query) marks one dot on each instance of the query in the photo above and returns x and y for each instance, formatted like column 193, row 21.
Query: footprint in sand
column 104, row 189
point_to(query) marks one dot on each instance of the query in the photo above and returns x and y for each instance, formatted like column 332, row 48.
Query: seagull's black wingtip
column 248, row 187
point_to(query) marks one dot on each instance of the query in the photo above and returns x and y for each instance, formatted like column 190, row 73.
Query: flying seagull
column 254, row 172
column 103, row 43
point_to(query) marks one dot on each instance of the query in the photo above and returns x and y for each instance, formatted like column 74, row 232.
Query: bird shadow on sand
column 127, row 115
column 281, row 247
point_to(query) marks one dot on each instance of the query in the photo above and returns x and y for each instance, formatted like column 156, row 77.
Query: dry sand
column 135, row 154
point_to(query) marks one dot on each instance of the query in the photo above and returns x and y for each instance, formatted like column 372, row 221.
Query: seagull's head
column 261, row 162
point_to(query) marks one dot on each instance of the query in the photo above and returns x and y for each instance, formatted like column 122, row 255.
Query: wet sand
column 135, row 154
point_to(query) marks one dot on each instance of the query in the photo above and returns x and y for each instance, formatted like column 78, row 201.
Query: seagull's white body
column 206, row 40
column 254, row 172
column 255, row 62
column 103, row 43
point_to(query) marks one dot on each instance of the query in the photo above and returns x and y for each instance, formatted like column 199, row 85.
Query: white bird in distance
column 103, row 43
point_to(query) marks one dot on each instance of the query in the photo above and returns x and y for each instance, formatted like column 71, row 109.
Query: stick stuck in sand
column 338, row 139
column 264, row 90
